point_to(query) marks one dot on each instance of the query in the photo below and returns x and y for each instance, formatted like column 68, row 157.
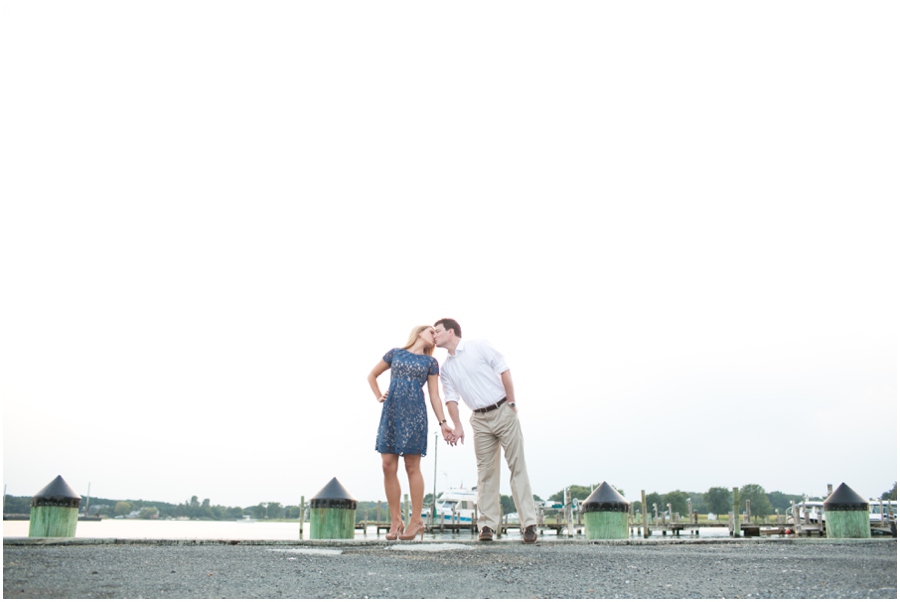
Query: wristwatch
column 511, row 404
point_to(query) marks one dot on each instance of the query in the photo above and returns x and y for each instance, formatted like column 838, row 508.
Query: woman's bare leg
column 416, row 487
column 389, row 465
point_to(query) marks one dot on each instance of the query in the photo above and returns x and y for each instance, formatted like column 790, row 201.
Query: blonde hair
column 414, row 334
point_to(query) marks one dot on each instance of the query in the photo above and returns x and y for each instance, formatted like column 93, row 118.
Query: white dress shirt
column 473, row 374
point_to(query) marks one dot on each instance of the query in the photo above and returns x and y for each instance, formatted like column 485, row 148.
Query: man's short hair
column 450, row 324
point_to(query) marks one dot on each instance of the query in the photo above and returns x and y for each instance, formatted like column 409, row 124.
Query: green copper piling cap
column 57, row 493
column 844, row 498
column 605, row 499
column 333, row 495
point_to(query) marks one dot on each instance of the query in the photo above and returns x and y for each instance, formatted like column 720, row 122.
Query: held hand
column 458, row 435
column 447, row 432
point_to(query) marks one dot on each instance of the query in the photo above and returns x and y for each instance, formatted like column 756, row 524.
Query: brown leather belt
column 491, row 408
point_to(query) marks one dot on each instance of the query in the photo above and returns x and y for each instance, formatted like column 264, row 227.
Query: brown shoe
column 530, row 535
column 486, row 534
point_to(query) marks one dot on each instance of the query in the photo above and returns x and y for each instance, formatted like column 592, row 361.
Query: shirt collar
column 459, row 347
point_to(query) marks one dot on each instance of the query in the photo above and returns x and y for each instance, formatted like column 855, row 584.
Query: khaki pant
column 493, row 430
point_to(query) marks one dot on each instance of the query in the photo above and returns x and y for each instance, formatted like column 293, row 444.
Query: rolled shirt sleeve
column 493, row 357
column 450, row 393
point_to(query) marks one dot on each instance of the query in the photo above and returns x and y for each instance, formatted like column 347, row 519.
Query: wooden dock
column 748, row 530
column 571, row 523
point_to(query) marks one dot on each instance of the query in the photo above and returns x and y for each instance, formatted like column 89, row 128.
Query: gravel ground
column 769, row 568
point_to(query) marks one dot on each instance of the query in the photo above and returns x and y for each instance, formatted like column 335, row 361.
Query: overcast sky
column 672, row 218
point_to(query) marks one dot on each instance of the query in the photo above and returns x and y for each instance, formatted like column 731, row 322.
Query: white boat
column 246, row 519
column 454, row 504
column 815, row 509
column 877, row 507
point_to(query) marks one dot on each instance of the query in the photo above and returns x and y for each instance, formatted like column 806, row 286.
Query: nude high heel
column 393, row 532
column 420, row 531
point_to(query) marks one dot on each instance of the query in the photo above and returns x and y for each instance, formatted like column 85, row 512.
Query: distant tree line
column 193, row 508
column 719, row 501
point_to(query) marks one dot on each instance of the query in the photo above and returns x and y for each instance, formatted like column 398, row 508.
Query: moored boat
column 454, row 504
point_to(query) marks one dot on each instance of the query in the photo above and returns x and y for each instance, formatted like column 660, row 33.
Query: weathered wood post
column 570, row 527
column 848, row 514
column 54, row 510
column 748, row 511
column 736, row 509
column 644, row 515
column 302, row 509
column 332, row 513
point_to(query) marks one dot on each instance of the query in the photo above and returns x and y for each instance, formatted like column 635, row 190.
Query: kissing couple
column 477, row 374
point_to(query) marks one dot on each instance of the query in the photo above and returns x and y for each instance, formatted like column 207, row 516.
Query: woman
column 403, row 430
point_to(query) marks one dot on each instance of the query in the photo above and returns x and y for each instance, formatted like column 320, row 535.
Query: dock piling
column 605, row 514
column 54, row 510
column 332, row 513
column 736, row 512
column 848, row 514
column 302, row 512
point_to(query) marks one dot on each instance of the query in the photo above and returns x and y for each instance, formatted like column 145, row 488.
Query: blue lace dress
column 404, row 420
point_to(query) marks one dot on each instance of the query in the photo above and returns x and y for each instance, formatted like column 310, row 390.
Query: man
column 477, row 373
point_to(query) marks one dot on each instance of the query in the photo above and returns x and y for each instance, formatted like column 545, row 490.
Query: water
column 264, row 531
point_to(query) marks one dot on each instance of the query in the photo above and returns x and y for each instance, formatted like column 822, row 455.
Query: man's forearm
column 506, row 379
column 453, row 412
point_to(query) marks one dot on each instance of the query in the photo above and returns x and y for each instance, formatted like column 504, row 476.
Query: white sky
column 672, row 218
